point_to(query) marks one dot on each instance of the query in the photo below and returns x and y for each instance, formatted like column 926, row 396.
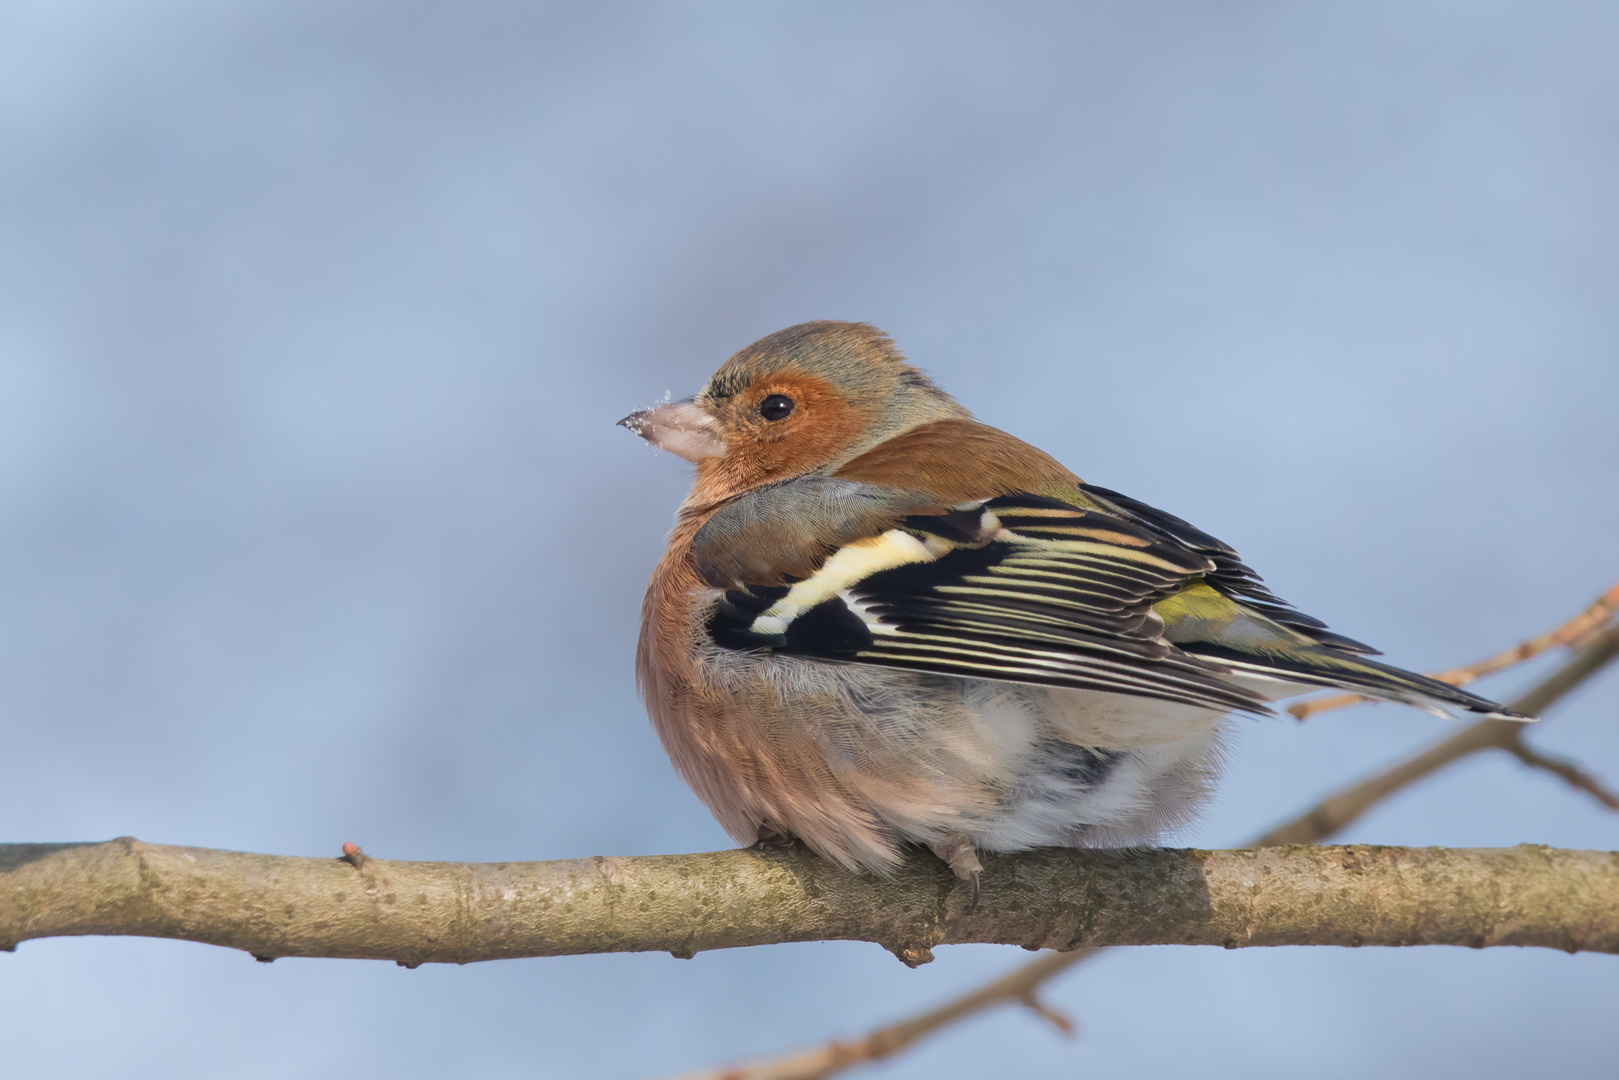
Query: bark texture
column 417, row 912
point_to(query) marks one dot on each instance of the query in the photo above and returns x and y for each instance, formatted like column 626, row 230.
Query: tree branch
column 413, row 913
column 1340, row 810
column 1597, row 648
column 1020, row 987
column 416, row 912
column 1577, row 778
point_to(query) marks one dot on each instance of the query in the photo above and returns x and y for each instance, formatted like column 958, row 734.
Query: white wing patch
column 849, row 564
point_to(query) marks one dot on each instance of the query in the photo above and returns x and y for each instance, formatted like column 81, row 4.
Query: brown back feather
column 957, row 461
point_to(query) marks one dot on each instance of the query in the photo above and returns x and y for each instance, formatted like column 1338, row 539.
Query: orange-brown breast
column 750, row 756
column 664, row 651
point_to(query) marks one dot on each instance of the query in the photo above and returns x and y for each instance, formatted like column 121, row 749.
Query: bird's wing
column 1093, row 591
column 1231, row 617
column 1231, row 576
column 1023, row 588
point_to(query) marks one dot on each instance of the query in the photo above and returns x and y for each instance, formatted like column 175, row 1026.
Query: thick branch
column 414, row 912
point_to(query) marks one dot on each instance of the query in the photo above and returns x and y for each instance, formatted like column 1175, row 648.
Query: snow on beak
column 680, row 427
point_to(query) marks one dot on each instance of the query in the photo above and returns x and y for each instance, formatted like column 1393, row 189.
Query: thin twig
column 1597, row 648
column 1339, row 810
column 834, row 1057
column 1577, row 777
column 1575, row 632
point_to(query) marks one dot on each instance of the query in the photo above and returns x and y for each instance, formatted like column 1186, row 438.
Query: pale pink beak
column 680, row 427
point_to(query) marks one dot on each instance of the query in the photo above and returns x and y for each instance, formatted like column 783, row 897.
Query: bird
column 882, row 625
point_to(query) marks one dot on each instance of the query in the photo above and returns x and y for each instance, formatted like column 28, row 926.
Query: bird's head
column 802, row 400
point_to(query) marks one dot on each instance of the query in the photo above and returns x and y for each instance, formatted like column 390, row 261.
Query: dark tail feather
column 1329, row 668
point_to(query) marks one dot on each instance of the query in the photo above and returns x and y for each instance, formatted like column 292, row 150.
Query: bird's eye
column 777, row 407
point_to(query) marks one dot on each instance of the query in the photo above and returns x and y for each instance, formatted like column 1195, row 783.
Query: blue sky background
column 314, row 525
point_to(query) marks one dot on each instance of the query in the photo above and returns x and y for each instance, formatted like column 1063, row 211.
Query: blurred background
column 315, row 319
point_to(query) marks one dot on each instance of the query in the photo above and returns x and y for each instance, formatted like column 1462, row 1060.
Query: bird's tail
column 1324, row 666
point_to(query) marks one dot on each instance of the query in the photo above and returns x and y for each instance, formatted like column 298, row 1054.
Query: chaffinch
column 880, row 622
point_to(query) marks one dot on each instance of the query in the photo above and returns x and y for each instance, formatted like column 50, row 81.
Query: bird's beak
column 683, row 428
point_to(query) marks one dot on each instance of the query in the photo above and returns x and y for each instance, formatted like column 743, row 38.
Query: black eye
column 777, row 407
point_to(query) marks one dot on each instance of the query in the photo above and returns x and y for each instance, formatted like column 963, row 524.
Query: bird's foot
column 770, row 839
column 962, row 858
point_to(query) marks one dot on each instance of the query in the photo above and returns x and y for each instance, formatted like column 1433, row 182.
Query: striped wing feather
column 1231, row 575
column 1021, row 588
